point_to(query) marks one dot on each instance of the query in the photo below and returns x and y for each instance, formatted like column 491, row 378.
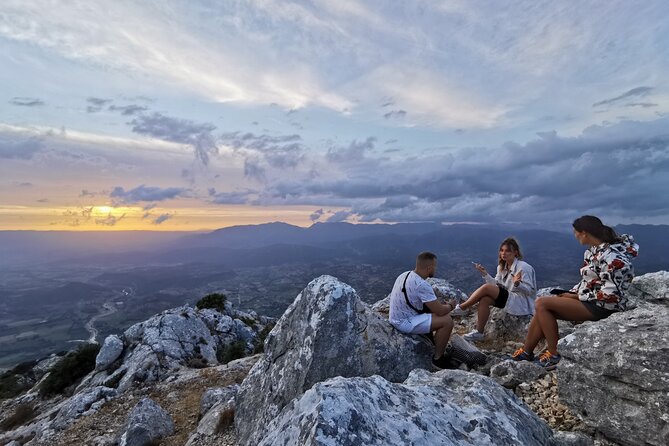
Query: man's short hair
column 425, row 257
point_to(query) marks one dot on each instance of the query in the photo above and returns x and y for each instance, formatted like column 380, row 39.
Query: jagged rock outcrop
column 111, row 349
column 147, row 423
column 215, row 396
column 80, row 404
column 179, row 337
column 450, row 407
column 615, row 371
column 327, row 331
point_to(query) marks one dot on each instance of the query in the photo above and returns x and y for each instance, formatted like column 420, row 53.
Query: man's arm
column 438, row 308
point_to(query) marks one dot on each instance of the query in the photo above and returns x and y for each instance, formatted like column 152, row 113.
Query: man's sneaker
column 457, row 311
column 474, row 335
column 522, row 355
column 444, row 362
column 548, row 360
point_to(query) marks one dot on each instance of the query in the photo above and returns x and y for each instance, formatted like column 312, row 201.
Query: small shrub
column 260, row 340
column 11, row 385
column 22, row 415
column 69, row 369
column 114, row 380
column 231, row 352
column 248, row 321
column 215, row 301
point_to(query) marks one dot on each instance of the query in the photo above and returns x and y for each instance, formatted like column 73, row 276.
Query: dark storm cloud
column 634, row 92
column 182, row 131
column 614, row 169
column 145, row 193
column 26, row 102
column 128, row 110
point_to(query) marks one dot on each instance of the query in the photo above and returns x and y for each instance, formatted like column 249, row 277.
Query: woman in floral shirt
column 606, row 276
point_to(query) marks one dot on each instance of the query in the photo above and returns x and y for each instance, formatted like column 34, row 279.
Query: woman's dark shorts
column 597, row 312
column 502, row 297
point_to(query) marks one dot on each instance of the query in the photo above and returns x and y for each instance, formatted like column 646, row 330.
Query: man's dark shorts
column 502, row 297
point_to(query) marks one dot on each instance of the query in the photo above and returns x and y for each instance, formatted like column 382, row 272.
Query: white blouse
column 521, row 297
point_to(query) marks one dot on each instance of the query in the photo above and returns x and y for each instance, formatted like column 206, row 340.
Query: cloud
column 20, row 147
column 339, row 216
column 128, row 110
column 161, row 218
column 615, row 170
column 109, row 220
column 26, row 101
column 96, row 104
column 145, row 193
column 641, row 104
column 23, row 184
column 395, row 113
column 634, row 92
column 280, row 152
column 352, row 153
column 197, row 135
column 316, row 215
column 237, row 197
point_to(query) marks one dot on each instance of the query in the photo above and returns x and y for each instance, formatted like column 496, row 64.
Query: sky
column 193, row 115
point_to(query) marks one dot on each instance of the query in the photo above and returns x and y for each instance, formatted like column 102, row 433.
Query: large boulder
column 146, row 425
column 327, row 331
column 111, row 349
column 83, row 403
column 451, row 407
column 615, row 372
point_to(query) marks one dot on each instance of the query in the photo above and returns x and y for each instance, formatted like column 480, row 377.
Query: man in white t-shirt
column 414, row 307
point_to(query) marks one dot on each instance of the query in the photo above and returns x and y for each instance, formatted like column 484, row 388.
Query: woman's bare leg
column 487, row 290
column 548, row 311
column 484, row 312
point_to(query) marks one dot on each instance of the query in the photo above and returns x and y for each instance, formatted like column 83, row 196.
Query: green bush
column 260, row 340
column 69, row 369
column 215, row 301
column 231, row 352
column 11, row 385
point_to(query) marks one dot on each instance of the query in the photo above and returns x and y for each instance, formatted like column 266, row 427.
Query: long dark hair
column 513, row 244
column 594, row 226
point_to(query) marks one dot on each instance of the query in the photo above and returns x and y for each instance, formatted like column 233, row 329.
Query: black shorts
column 597, row 312
column 502, row 297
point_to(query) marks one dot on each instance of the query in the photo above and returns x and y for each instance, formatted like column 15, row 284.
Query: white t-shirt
column 418, row 290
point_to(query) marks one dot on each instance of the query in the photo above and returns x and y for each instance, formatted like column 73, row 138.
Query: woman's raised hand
column 481, row 269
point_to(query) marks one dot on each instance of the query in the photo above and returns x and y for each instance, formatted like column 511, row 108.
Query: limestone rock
column 563, row 438
column 327, row 331
column 450, row 407
column 651, row 288
column 147, row 423
column 615, row 374
column 111, row 349
column 217, row 395
column 82, row 403
column 510, row 373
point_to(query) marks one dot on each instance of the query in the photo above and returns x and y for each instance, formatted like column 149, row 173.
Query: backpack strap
column 406, row 297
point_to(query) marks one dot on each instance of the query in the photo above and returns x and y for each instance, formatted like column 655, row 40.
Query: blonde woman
column 514, row 288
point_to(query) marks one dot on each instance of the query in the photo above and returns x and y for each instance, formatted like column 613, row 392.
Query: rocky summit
column 332, row 371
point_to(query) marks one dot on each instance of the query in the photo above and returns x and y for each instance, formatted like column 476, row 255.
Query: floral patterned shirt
column 607, row 273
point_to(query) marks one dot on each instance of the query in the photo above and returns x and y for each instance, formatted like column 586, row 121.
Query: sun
column 103, row 209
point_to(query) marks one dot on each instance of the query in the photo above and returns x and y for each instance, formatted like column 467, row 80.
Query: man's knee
column 439, row 322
